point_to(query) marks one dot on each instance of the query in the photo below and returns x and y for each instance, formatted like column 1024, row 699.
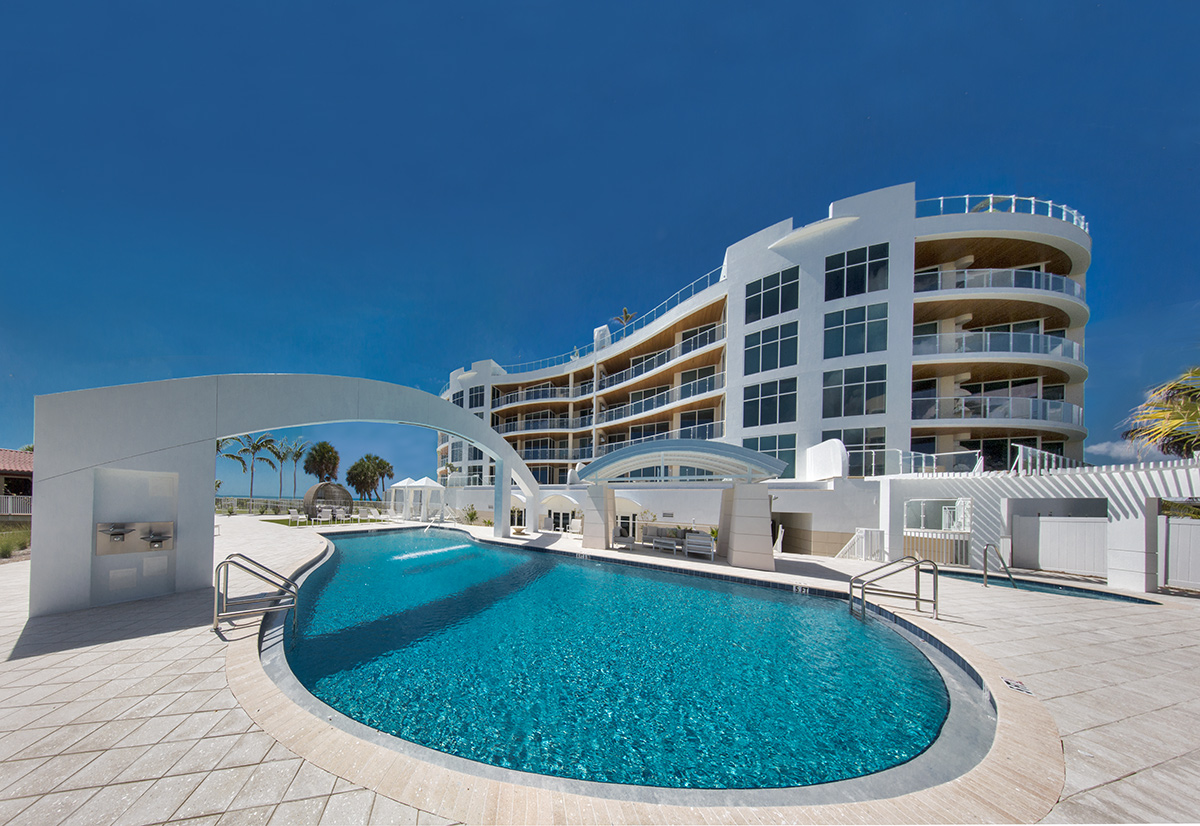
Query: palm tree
column 295, row 454
column 1169, row 419
column 625, row 317
column 322, row 462
column 252, row 446
column 361, row 476
column 281, row 450
column 383, row 471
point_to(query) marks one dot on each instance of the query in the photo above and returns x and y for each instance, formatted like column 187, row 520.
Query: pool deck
column 138, row 713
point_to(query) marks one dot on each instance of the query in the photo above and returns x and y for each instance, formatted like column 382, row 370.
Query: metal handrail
column 997, row 407
column 992, row 545
column 991, row 279
column 959, row 204
column 284, row 599
column 869, row 578
column 971, row 342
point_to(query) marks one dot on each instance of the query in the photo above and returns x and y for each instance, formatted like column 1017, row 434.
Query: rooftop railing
column 662, row 357
column 1035, row 344
column 891, row 461
column 996, row 279
column 683, row 391
column 1032, row 462
column 695, row 288
column 960, row 204
column 998, row 407
column 712, row 430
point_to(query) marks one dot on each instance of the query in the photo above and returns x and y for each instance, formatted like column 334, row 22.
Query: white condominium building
column 899, row 326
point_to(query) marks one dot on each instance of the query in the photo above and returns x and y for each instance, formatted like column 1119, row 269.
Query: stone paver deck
column 126, row 715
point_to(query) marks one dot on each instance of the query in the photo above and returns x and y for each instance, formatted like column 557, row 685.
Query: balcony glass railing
column 695, row 288
column 662, row 357
column 998, row 407
column 556, row 454
column 959, row 204
column 561, row 423
column 1035, row 344
column 683, row 391
column 996, row 279
column 532, row 394
column 712, row 430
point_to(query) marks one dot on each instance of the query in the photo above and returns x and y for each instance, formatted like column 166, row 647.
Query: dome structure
column 326, row 495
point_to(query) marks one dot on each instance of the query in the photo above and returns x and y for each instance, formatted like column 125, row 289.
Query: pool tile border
column 1019, row 780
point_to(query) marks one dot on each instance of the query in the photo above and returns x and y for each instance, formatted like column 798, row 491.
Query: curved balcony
column 534, row 394
column 961, row 204
column 699, row 387
column 712, row 430
column 1057, row 292
column 561, row 423
column 1023, row 348
column 997, row 411
column 665, row 357
column 556, row 454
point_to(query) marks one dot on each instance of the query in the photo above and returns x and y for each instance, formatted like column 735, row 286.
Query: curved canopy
column 724, row 461
column 549, row 497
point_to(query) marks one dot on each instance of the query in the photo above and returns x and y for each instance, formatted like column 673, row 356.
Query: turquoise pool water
column 602, row 672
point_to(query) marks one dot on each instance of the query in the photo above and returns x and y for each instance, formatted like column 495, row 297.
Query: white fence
column 16, row 505
column 867, row 545
column 1183, row 553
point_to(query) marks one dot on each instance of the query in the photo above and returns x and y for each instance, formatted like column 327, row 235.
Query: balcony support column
column 502, row 502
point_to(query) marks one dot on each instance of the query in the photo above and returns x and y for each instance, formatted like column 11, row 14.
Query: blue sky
column 393, row 190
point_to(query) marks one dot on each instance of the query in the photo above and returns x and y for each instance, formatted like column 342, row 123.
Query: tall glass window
column 856, row 330
column 855, row 391
column 769, row 403
column 776, row 293
column 476, row 396
column 771, row 348
column 457, row 398
column 857, row 271
column 782, row 447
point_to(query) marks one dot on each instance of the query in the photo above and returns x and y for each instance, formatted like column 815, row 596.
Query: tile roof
column 16, row 461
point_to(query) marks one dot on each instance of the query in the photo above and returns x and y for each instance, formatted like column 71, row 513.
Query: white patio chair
column 295, row 517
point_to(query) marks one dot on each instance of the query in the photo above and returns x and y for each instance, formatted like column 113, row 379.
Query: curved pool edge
column 1018, row 780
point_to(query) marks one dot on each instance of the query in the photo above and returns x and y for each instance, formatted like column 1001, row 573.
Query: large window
column 771, row 348
column 782, row 447
column 457, row 398
column 474, row 474
column 858, row 271
column 456, row 452
column 855, row 391
column 476, row 397
column 649, row 431
column 697, row 424
column 769, row 403
column 775, row 294
column 698, row 381
column 697, row 337
column 474, row 454
column 863, row 444
column 856, row 330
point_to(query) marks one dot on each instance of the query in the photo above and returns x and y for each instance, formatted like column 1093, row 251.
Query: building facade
column 920, row 333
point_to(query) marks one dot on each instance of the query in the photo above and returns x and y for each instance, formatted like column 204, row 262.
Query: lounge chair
column 698, row 543
column 324, row 515
column 664, row 543
column 296, row 518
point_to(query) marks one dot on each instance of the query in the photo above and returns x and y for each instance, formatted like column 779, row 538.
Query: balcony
column 951, row 292
column 712, row 430
column 955, row 349
column 675, row 394
column 663, row 357
column 556, row 454
column 561, row 423
column 997, row 409
column 962, row 204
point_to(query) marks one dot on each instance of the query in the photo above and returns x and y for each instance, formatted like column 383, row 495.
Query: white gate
column 1076, row 545
column 1183, row 553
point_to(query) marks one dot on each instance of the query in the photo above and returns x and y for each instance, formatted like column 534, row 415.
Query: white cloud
column 1123, row 451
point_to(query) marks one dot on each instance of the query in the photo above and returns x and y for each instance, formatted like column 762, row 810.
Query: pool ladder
column 866, row 583
column 227, row 607
column 1000, row 559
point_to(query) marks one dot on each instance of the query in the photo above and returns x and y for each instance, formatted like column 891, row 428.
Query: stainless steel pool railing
column 866, row 583
column 999, row 558
column 226, row 607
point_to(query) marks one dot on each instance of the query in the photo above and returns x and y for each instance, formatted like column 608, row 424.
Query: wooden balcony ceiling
column 990, row 253
column 986, row 312
column 984, row 371
column 662, row 375
column 664, row 413
column 710, row 314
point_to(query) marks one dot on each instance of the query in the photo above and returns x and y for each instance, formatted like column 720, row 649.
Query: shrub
column 231, row 510
column 471, row 514
column 488, row 522
column 262, row 510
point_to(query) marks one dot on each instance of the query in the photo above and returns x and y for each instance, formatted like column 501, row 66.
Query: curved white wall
column 171, row 427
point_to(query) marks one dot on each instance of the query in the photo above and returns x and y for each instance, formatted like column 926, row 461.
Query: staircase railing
column 227, row 607
column 866, row 583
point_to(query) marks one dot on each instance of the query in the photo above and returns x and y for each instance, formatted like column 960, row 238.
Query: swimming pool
column 1001, row 581
column 576, row 669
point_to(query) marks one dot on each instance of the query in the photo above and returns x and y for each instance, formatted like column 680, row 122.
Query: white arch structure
column 144, row 453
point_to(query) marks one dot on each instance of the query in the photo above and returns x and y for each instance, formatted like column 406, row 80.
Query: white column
column 502, row 501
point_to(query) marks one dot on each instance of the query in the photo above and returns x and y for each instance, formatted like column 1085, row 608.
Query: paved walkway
column 124, row 714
